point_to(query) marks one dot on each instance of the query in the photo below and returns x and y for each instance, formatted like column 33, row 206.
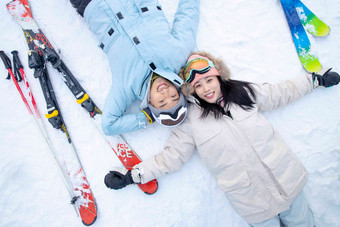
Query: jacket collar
column 171, row 76
column 196, row 102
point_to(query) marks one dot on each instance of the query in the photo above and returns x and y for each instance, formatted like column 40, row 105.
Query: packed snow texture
column 253, row 38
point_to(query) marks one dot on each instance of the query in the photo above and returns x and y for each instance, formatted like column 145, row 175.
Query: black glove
column 149, row 115
column 117, row 180
column 328, row 79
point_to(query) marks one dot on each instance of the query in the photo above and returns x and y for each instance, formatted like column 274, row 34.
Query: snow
column 254, row 40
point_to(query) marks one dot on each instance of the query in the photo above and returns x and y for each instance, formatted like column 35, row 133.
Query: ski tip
column 88, row 212
column 88, row 224
column 310, row 62
column 324, row 32
column 313, row 68
column 89, row 218
column 149, row 188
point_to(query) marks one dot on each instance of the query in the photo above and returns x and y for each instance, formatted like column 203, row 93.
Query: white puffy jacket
column 252, row 164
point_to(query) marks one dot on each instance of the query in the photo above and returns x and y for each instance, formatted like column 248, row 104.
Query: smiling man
column 145, row 57
column 163, row 94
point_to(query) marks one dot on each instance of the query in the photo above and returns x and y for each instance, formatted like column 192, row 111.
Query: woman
column 139, row 44
column 258, row 172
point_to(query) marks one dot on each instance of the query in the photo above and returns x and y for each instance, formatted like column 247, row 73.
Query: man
column 145, row 56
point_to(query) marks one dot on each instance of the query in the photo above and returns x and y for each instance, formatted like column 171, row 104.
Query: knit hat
column 220, row 69
column 212, row 71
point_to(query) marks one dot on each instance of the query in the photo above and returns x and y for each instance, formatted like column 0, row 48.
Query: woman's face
column 208, row 89
column 163, row 94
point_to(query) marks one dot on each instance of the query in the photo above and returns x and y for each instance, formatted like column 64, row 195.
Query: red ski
column 70, row 166
column 126, row 155
column 19, row 9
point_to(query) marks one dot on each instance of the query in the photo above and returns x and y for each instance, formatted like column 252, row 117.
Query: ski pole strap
column 7, row 63
column 17, row 65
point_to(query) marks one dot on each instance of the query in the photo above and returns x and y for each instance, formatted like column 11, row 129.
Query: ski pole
column 19, row 69
column 7, row 63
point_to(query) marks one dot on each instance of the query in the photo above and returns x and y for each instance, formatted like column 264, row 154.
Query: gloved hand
column 149, row 116
column 118, row 179
column 327, row 79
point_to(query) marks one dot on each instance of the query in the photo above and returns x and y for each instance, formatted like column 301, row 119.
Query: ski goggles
column 196, row 65
column 172, row 119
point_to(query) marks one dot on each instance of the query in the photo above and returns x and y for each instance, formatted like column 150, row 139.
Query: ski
column 301, row 41
column 74, row 178
column 87, row 209
column 310, row 21
column 126, row 155
column 20, row 11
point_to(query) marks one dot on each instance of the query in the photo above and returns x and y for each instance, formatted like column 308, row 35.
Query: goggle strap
column 174, row 115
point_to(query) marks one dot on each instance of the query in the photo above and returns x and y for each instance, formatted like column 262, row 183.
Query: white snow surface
column 253, row 38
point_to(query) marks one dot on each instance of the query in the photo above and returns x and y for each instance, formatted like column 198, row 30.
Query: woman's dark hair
column 233, row 91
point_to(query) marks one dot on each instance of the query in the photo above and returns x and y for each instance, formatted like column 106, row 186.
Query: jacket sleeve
column 272, row 96
column 114, row 120
column 186, row 23
column 178, row 149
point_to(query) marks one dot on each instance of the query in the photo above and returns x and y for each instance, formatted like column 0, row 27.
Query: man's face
column 163, row 94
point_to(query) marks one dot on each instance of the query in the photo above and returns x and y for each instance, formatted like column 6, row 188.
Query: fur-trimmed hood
column 221, row 67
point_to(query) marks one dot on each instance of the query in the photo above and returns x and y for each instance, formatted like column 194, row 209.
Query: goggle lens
column 197, row 65
column 174, row 119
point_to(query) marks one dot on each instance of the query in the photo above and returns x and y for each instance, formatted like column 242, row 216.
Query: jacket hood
column 221, row 67
column 169, row 75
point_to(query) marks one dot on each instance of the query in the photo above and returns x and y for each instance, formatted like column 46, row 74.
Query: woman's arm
column 178, row 150
column 272, row 96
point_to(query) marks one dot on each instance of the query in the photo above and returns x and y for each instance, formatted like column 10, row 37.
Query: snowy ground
column 252, row 36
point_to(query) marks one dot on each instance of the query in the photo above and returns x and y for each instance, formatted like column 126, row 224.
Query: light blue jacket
column 138, row 40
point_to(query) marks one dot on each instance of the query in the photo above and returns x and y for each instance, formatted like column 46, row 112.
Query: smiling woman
column 246, row 155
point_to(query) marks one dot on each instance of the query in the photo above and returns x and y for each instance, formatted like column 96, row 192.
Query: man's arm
column 186, row 23
column 114, row 120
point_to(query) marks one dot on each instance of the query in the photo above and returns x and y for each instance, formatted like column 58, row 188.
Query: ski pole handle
column 5, row 60
column 19, row 70
column 17, row 66
column 16, row 59
column 7, row 63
